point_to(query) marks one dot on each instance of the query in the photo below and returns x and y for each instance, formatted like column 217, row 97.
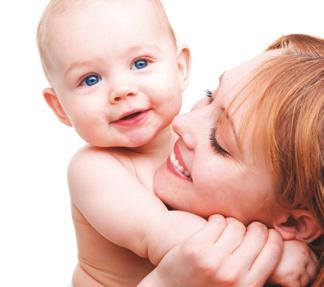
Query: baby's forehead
column 62, row 10
column 87, row 18
column 59, row 7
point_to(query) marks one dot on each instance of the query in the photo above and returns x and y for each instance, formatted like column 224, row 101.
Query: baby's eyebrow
column 143, row 46
column 78, row 65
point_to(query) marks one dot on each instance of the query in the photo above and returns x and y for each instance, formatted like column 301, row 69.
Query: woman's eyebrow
column 215, row 92
column 227, row 115
column 227, row 118
column 220, row 80
column 221, row 77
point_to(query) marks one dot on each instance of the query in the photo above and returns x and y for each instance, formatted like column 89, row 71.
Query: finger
column 268, row 258
column 229, row 240
column 211, row 231
column 304, row 279
column 311, row 270
column 245, row 254
column 313, row 256
column 255, row 239
column 312, row 266
column 291, row 282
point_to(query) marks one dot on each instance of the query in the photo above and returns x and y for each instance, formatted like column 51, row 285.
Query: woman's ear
column 55, row 105
column 299, row 224
column 183, row 60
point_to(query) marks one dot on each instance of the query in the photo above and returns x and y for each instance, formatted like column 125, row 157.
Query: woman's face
column 208, row 173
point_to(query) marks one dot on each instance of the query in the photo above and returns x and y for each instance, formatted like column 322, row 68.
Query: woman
column 254, row 151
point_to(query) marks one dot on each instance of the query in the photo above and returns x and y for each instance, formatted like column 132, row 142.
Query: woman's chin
column 165, row 188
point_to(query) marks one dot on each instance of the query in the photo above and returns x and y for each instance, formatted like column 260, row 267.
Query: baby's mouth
column 178, row 166
column 131, row 116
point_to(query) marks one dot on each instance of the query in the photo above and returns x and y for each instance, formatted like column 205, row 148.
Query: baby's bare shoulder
column 91, row 158
column 92, row 170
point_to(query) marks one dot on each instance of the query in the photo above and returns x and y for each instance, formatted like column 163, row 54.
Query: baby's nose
column 121, row 89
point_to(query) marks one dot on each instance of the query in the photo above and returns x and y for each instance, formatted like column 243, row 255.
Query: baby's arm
column 223, row 253
column 297, row 267
column 118, row 206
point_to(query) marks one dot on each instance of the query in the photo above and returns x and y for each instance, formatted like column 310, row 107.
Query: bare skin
column 101, row 262
column 121, row 93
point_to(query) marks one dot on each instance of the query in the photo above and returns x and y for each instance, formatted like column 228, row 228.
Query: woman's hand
column 222, row 253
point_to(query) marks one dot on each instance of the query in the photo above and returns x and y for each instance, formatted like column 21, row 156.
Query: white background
column 37, row 246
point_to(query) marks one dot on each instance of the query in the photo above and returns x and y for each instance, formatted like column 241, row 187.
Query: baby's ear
column 299, row 224
column 184, row 61
column 55, row 105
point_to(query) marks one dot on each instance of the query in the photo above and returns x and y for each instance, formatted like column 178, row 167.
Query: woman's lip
column 178, row 155
column 173, row 170
column 134, row 120
column 179, row 159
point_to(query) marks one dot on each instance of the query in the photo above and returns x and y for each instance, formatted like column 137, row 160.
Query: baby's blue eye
column 140, row 64
column 91, row 80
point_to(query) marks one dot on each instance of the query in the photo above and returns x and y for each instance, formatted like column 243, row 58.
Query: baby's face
column 115, row 70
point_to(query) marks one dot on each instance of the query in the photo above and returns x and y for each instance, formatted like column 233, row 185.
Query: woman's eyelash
column 215, row 145
column 209, row 95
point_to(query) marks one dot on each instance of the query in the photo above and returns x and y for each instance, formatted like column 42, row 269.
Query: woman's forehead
column 234, row 81
column 242, row 72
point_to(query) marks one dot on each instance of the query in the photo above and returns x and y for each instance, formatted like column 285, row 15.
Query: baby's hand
column 298, row 265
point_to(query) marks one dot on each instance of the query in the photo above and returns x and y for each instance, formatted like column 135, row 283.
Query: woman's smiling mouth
column 176, row 165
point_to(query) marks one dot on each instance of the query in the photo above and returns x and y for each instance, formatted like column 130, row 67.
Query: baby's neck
column 160, row 146
column 146, row 159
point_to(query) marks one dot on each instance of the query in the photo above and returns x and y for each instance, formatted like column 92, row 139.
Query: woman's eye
column 139, row 64
column 215, row 145
column 91, row 80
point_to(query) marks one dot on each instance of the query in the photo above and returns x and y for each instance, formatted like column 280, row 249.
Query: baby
column 116, row 75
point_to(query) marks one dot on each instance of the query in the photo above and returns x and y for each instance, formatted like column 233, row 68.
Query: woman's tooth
column 177, row 165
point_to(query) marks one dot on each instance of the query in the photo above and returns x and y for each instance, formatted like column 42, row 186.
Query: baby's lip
column 129, row 115
column 132, row 118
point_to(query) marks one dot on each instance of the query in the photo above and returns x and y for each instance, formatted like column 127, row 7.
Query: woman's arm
column 223, row 253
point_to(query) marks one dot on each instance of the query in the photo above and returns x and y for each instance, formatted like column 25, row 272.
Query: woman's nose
column 121, row 88
column 184, row 126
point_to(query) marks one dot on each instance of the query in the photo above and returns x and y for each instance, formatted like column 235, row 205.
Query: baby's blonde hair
column 59, row 7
